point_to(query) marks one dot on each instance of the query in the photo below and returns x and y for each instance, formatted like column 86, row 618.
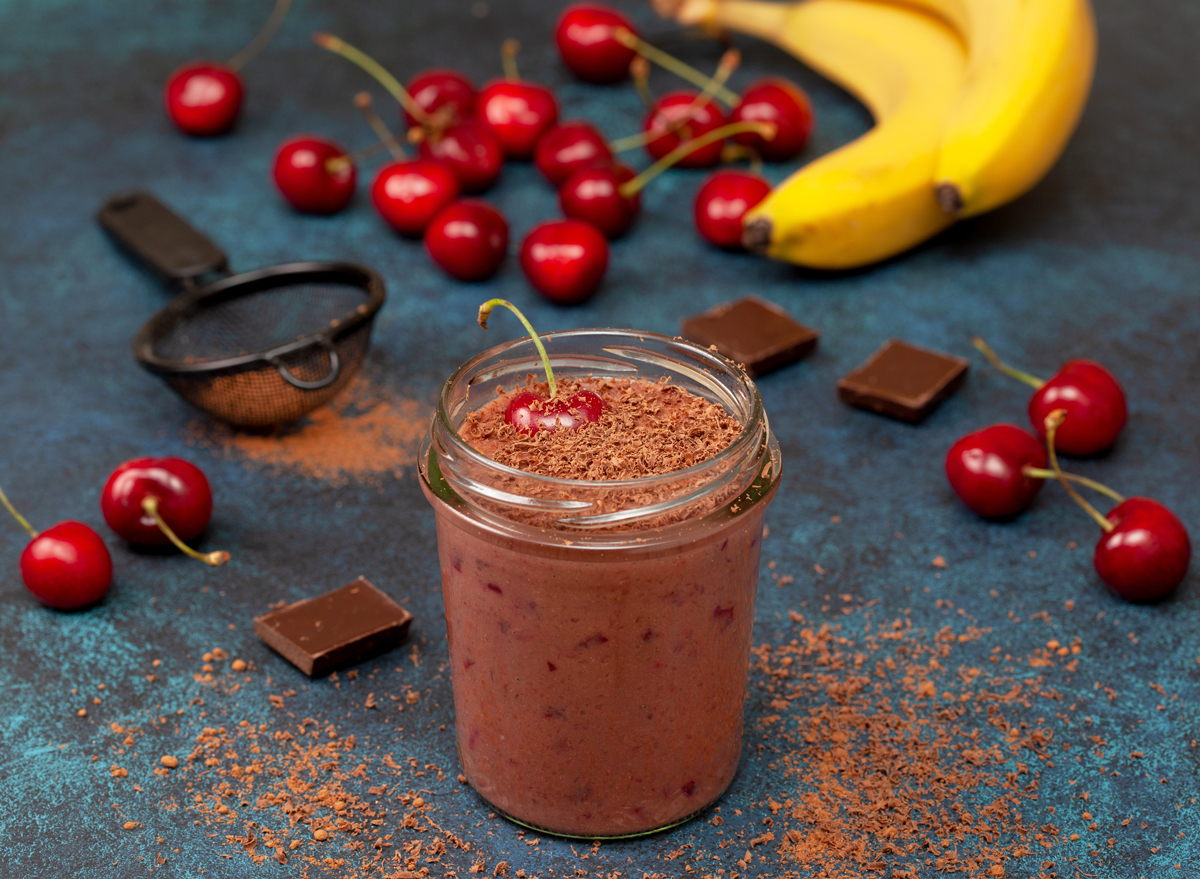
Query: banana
column 874, row 197
column 1028, row 78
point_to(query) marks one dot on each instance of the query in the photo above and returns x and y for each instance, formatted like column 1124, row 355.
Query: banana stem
column 20, row 519
column 215, row 559
column 729, row 62
column 765, row 129
column 370, row 65
column 508, row 59
column 1053, row 421
column 668, row 62
column 262, row 38
column 1099, row 487
column 986, row 350
column 486, row 309
column 363, row 102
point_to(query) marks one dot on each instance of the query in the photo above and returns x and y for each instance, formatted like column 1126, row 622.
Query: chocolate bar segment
column 338, row 628
column 903, row 381
column 753, row 332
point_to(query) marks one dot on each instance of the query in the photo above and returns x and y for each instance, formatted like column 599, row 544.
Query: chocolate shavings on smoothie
column 647, row 429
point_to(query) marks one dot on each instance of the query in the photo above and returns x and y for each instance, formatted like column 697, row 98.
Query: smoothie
column 599, row 687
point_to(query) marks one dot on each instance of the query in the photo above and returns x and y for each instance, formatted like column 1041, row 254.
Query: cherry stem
column 486, row 309
column 639, row 70
column 986, row 350
column 1099, row 487
column 733, row 152
column 215, row 559
column 20, row 519
column 363, row 102
column 508, row 59
column 337, row 163
column 1053, row 421
column 729, row 62
column 668, row 62
column 629, row 187
column 262, row 38
column 370, row 65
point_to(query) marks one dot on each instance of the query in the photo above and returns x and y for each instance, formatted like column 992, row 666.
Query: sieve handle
column 160, row 238
column 335, row 367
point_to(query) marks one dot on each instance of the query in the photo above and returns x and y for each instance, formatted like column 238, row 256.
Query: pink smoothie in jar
column 599, row 630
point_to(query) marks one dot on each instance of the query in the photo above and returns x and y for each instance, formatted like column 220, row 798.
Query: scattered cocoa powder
column 361, row 435
column 646, row 429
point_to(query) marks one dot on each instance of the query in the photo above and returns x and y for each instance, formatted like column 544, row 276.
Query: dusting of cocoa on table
column 647, row 429
column 362, row 435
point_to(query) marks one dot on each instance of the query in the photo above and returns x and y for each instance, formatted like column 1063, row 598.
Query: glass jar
column 600, row 632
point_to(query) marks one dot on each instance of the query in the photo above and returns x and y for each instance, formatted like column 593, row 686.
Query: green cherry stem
column 20, row 519
column 262, row 38
column 356, row 56
column 986, row 350
column 639, row 71
column 668, row 62
column 629, row 187
column 1053, row 422
column 363, row 102
column 337, row 163
column 215, row 559
column 486, row 309
column 509, row 50
column 1098, row 487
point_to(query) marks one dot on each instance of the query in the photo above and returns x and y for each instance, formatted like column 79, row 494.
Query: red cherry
column 585, row 40
column 181, row 489
column 67, row 567
column 565, row 260
column 409, row 194
column 518, row 113
column 470, row 150
column 986, row 469
column 204, row 98
column 468, row 239
column 1147, row 554
column 785, row 105
column 529, row 413
column 594, row 196
column 569, row 146
column 666, row 114
column 309, row 179
column 442, row 87
column 723, row 200
column 1095, row 406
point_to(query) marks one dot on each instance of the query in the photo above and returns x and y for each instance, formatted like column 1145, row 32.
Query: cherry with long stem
column 673, row 64
column 713, row 84
column 529, row 413
column 215, row 558
column 765, row 129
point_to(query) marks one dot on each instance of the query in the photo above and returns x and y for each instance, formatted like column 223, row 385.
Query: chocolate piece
column 753, row 332
column 338, row 628
column 903, row 381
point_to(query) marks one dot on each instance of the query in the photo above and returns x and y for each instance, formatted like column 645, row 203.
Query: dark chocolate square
column 903, row 381
column 753, row 332
column 338, row 628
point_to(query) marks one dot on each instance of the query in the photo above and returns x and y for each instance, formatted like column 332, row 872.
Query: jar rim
column 747, row 439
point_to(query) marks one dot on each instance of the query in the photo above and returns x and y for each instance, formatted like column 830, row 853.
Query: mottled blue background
column 1101, row 260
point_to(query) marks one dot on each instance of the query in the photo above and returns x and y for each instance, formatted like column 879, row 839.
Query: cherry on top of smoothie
column 647, row 429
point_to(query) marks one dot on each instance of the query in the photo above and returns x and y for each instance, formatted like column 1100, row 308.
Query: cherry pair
column 147, row 501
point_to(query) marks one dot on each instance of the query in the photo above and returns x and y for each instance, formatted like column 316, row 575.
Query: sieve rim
column 188, row 304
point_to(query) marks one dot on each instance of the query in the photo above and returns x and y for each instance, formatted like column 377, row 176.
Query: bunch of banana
column 974, row 101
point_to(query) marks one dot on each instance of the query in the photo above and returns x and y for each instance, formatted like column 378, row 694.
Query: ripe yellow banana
column 874, row 197
column 1028, row 78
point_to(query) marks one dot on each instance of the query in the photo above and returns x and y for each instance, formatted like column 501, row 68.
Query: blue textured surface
column 1101, row 260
